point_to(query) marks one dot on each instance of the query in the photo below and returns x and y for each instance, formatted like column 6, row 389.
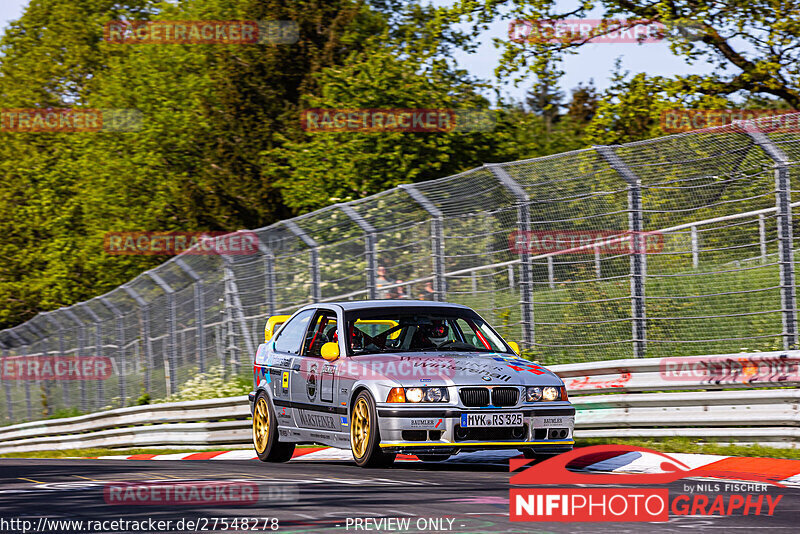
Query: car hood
column 448, row 369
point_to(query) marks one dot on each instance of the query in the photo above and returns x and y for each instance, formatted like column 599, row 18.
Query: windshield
column 421, row 329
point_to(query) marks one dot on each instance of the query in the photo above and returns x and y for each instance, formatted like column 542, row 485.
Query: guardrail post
column 199, row 312
column 638, row 247
column 122, row 367
column 695, row 248
column 236, row 309
column 64, row 389
column 783, row 200
column 526, row 266
column 170, row 377
column 370, row 253
column 81, row 348
column 270, row 282
column 148, row 349
column 316, row 293
column 437, row 240
column 762, row 237
column 98, row 348
column 7, row 387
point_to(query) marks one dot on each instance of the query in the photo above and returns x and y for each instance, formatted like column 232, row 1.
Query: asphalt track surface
column 319, row 497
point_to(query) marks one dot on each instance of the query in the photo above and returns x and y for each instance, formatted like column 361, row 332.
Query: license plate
column 491, row 419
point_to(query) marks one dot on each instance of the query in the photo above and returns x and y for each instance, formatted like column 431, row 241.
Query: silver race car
column 398, row 376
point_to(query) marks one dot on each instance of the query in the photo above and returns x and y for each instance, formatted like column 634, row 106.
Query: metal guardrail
column 730, row 398
column 193, row 424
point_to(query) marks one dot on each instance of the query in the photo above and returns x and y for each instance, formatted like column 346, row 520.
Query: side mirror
column 330, row 351
column 514, row 346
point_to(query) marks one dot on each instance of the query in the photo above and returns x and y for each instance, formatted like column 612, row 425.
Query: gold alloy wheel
column 261, row 425
column 360, row 427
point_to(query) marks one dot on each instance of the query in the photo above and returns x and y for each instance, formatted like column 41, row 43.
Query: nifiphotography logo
column 622, row 503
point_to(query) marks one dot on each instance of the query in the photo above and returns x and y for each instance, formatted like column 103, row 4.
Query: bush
column 212, row 384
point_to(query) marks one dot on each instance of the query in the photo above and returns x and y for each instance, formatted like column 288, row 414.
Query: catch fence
column 677, row 246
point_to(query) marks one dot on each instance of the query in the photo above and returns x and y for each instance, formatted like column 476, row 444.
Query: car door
column 285, row 362
column 313, row 393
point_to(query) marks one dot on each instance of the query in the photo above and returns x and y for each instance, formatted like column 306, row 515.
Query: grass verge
column 691, row 446
column 72, row 453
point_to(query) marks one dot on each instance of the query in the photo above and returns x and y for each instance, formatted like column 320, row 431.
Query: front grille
column 414, row 435
column 504, row 396
column 474, row 396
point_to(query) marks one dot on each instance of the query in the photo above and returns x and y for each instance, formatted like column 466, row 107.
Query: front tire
column 364, row 436
column 265, row 433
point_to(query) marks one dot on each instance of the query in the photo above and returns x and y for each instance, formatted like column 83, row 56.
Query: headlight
column 534, row 394
column 550, row 394
column 434, row 394
column 414, row 394
column 429, row 394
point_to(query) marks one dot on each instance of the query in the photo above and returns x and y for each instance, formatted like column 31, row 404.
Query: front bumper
column 545, row 429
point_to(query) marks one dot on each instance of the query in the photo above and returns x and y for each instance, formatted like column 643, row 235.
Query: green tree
column 750, row 45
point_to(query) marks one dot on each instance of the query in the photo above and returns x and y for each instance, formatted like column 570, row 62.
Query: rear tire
column 265, row 433
column 364, row 435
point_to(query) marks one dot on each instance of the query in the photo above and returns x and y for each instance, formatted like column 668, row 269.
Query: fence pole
column 170, row 377
column 237, row 310
column 597, row 266
column 121, row 367
column 316, row 293
column 783, row 200
column 638, row 247
column 28, row 407
column 437, row 240
column 270, row 283
column 148, row 349
column 7, row 387
column 199, row 312
column 762, row 237
column 60, row 328
column 98, row 348
column 695, row 248
column 81, row 348
column 39, row 347
column 526, row 266
column 370, row 253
